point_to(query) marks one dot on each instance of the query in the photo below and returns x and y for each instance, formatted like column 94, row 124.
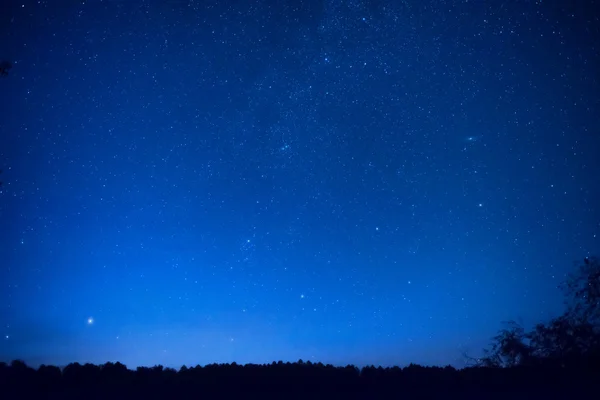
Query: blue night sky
column 368, row 182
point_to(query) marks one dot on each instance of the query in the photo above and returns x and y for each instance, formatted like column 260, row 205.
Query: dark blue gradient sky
column 369, row 182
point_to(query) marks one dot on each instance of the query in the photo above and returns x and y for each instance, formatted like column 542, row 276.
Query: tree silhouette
column 290, row 380
column 583, row 292
column 570, row 339
column 510, row 347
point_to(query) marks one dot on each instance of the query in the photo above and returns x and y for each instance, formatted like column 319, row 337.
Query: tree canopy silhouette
column 572, row 338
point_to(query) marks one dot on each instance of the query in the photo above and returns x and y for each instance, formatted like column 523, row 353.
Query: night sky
column 367, row 182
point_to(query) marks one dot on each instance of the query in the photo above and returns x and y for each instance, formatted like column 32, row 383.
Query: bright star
column 90, row 321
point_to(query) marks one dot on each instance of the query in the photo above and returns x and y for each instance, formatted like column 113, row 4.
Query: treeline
column 292, row 380
column 556, row 359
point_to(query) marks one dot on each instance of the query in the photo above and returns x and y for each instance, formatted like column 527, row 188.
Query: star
column 90, row 321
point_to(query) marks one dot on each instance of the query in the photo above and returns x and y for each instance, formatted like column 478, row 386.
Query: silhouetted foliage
column 510, row 347
column 567, row 340
column 290, row 380
column 582, row 290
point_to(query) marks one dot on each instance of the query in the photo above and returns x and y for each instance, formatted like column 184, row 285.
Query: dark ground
column 297, row 380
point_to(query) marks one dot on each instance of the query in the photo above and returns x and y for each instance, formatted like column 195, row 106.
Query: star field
column 368, row 182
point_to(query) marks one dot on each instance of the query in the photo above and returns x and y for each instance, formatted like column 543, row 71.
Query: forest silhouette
column 556, row 359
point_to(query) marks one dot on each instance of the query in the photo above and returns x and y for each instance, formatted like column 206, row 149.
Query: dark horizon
column 297, row 380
